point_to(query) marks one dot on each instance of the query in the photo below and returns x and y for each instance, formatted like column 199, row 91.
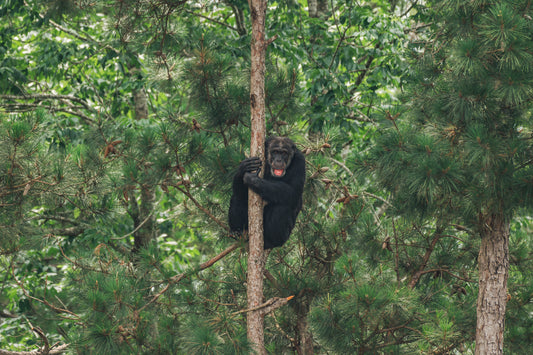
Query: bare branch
column 203, row 209
column 177, row 278
column 267, row 307
column 40, row 102
column 59, row 350
column 416, row 276
column 212, row 20
column 43, row 301
column 41, row 97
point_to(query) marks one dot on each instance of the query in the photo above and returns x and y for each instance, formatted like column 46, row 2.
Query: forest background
column 122, row 123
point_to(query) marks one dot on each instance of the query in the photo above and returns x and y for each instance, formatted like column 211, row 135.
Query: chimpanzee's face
column 279, row 156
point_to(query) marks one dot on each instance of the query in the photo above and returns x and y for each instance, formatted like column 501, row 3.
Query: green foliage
column 355, row 321
column 471, row 114
column 84, row 177
column 29, row 173
column 355, row 62
column 456, row 151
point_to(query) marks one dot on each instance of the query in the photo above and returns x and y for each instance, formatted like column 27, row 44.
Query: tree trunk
column 141, row 104
column 312, row 8
column 144, row 223
column 492, row 297
column 255, row 324
column 144, row 220
column 317, row 8
column 322, row 8
column 305, row 338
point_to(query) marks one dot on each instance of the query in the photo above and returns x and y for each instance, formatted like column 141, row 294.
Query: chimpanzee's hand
column 250, row 165
column 251, row 178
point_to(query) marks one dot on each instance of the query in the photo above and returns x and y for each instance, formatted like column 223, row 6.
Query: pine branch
column 212, row 20
column 59, row 350
column 43, row 301
column 267, row 307
column 239, row 20
column 40, row 103
column 425, row 259
column 209, row 263
column 203, row 209
column 81, row 266
column 40, row 333
column 177, row 278
column 429, row 271
column 41, row 97
column 135, row 217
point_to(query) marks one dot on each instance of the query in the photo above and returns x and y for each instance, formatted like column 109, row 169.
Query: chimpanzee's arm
column 277, row 192
column 238, row 208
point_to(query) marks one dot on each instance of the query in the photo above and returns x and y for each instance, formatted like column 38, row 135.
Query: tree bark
column 322, row 8
column 141, row 104
column 305, row 338
column 144, row 221
column 312, row 8
column 255, row 326
column 58, row 350
column 492, row 297
column 317, row 8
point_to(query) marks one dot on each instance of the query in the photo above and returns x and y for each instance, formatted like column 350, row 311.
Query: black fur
column 282, row 193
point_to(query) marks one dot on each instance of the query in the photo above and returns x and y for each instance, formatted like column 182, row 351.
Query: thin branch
column 368, row 65
column 377, row 198
column 413, row 4
column 177, row 278
column 45, row 350
column 425, row 259
column 267, row 307
column 40, row 333
column 212, row 20
column 217, row 302
column 203, row 209
column 270, row 40
column 68, row 231
column 137, row 228
column 341, row 40
column 45, row 302
column 47, row 97
column 40, row 98
column 448, row 272
column 59, row 350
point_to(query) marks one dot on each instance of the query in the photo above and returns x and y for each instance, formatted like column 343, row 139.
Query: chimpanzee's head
column 279, row 153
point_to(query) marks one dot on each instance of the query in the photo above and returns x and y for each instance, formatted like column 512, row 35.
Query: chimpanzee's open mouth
column 278, row 172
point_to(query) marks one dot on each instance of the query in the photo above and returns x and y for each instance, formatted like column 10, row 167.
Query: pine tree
column 256, row 267
column 462, row 149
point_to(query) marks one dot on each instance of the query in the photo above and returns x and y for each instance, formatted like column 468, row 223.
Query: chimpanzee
column 281, row 188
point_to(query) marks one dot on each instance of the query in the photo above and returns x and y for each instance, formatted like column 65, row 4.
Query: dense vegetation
column 123, row 122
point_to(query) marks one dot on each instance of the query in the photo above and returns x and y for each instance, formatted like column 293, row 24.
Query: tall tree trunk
column 305, row 338
column 255, row 326
column 317, row 8
column 492, row 297
column 141, row 104
column 322, row 8
column 144, row 220
column 312, row 8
